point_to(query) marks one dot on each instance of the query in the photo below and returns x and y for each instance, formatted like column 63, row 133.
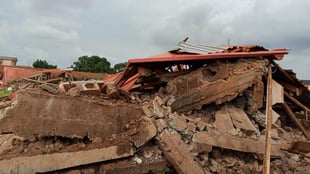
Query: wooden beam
column 266, row 169
column 282, row 70
column 298, row 103
column 49, row 89
column 294, row 118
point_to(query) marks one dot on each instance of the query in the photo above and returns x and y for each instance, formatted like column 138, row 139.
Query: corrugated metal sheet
column 187, row 47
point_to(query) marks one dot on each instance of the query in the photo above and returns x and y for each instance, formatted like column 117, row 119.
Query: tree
column 119, row 67
column 43, row 64
column 92, row 64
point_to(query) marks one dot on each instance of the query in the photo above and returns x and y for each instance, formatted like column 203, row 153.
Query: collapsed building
column 195, row 109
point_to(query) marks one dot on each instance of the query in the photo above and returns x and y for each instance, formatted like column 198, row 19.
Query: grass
column 4, row 92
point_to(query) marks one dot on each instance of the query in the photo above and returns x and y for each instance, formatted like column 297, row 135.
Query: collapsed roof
column 189, row 55
column 195, row 109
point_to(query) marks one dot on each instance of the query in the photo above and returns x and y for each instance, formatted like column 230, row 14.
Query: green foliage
column 43, row 64
column 119, row 67
column 94, row 64
column 5, row 92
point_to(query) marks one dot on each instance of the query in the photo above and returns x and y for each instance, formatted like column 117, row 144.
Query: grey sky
column 62, row 30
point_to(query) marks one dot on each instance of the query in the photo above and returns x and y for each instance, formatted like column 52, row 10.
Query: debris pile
column 197, row 109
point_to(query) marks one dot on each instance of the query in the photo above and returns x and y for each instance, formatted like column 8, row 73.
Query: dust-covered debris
column 189, row 113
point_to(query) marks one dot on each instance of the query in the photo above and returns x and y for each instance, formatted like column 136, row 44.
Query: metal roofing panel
column 187, row 47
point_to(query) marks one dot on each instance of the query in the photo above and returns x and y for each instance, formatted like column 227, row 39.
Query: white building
column 8, row 61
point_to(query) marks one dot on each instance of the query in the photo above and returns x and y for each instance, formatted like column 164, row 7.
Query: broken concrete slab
column 57, row 161
column 145, row 132
column 275, row 117
column 191, row 127
column 147, row 111
column 223, row 120
column 274, row 134
column 227, row 141
column 177, row 122
column 255, row 96
column 177, row 153
column 161, row 124
column 111, row 90
column 194, row 90
column 159, row 112
column 277, row 93
column 7, row 140
column 201, row 125
column 199, row 148
column 241, row 120
column 37, row 114
column 73, row 92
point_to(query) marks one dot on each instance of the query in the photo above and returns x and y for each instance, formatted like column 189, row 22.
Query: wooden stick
column 49, row 89
column 52, row 80
column 266, row 168
column 282, row 70
column 40, row 82
column 298, row 104
column 294, row 118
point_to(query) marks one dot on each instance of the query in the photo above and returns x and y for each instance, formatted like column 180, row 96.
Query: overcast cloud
column 62, row 30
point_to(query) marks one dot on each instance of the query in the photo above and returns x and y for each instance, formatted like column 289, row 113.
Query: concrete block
column 177, row 122
column 90, row 88
column 161, row 124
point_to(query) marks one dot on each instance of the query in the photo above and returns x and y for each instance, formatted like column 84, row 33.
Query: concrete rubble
column 207, row 117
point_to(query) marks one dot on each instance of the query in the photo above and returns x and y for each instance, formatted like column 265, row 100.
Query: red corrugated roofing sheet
column 10, row 73
column 276, row 54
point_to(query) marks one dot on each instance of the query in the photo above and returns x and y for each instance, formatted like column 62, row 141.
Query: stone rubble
column 191, row 125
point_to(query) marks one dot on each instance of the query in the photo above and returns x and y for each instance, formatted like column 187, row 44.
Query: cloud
column 61, row 31
column 43, row 29
column 55, row 8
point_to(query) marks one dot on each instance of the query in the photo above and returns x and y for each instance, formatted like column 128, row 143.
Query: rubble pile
column 203, row 114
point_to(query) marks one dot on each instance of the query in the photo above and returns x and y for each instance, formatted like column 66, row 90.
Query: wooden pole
column 294, row 118
column 266, row 169
column 298, row 103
